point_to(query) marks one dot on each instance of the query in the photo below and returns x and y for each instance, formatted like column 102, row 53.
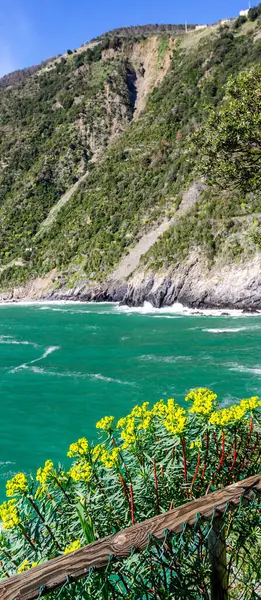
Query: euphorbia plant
column 151, row 460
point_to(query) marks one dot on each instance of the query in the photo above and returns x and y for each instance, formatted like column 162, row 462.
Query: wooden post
column 218, row 560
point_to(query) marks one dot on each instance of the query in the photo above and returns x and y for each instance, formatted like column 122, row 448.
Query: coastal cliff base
column 193, row 284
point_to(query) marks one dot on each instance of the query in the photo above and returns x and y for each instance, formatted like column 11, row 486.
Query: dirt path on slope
column 130, row 262
column 57, row 207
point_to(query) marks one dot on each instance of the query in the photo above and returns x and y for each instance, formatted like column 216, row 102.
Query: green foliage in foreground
column 153, row 459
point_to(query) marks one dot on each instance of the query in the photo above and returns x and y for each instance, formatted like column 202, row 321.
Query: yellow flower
column 139, row 411
column 78, row 448
column 122, row 422
column 250, row 403
column 17, row 485
column 72, row 547
column 97, row 452
column 195, row 444
column 44, row 473
column 110, row 459
column 9, row 514
column 203, row 401
column 128, row 434
column 175, row 418
column 227, row 416
column 146, row 421
column 105, row 423
column 80, row 472
column 159, row 409
column 25, row 566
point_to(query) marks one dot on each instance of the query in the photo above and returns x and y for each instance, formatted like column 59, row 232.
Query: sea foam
column 46, row 353
column 178, row 309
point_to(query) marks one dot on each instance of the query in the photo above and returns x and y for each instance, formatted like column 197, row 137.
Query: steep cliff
column 100, row 192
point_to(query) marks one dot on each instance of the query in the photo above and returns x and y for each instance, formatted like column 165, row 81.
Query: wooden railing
column 53, row 574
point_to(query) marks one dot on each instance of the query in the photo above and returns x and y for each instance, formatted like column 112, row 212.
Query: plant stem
column 156, row 484
column 183, row 443
column 43, row 521
column 132, row 505
column 27, row 537
column 196, row 471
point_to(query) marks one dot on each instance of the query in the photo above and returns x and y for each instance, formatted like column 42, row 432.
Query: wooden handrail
column 54, row 573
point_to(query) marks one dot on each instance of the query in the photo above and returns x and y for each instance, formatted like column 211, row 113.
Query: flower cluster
column 9, row 514
column 203, row 401
column 105, row 423
column 45, row 473
column 25, row 565
column 81, row 471
column 72, row 547
column 128, row 433
column 17, row 485
column 175, row 419
column 107, row 458
column 234, row 413
column 79, row 448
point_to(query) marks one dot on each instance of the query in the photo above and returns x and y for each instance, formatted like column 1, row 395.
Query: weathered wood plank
column 52, row 575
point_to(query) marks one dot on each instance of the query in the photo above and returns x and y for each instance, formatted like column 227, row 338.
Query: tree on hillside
column 230, row 142
column 254, row 12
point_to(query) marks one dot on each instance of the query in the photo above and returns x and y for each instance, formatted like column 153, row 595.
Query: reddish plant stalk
column 196, row 471
column 253, row 451
column 156, row 484
column 27, row 537
column 124, row 487
column 183, row 443
column 206, row 458
column 62, row 489
column 234, row 455
column 162, row 472
column 216, row 442
column 251, row 424
column 221, row 462
column 132, row 505
column 44, row 522
column 9, row 556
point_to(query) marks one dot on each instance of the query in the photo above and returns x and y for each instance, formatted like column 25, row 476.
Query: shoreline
column 177, row 308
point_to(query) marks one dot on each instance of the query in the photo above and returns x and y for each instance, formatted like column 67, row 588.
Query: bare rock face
column 192, row 284
column 230, row 286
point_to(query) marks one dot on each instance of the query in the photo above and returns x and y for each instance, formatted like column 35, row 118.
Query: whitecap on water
column 245, row 369
column 8, row 339
column 72, row 374
column 46, row 353
column 232, row 329
column 111, row 379
column 166, row 359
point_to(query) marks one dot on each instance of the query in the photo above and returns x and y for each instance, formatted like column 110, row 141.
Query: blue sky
column 32, row 30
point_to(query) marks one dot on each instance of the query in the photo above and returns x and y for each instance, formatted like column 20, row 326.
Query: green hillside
column 76, row 114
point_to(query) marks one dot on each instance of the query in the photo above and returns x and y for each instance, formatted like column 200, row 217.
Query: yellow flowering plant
column 17, row 486
column 159, row 455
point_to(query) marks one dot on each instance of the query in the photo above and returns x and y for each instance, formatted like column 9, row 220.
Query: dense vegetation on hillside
column 50, row 126
column 52, row 123
column 139, row 31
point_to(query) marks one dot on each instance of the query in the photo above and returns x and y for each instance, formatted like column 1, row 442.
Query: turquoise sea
column 64, row 366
